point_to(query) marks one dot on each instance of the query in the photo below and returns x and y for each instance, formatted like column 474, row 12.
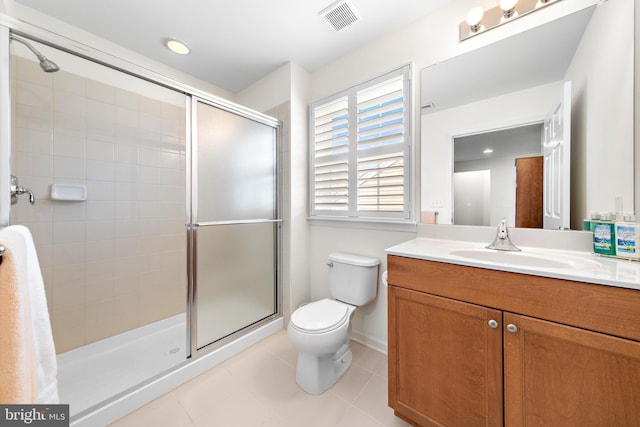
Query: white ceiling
column 512, row 142
column 234, row 42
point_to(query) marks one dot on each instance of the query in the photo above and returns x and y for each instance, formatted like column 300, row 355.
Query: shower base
column 95, row 372
column 108, row 390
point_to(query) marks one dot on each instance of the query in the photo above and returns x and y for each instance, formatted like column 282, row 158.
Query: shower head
column 47, row 65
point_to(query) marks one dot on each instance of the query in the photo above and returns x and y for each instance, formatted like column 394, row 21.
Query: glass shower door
column 234, row 224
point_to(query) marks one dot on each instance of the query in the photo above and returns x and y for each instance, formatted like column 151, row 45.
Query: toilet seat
column 320, row 316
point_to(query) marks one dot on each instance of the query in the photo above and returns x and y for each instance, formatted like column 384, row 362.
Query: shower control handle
column 16, row 191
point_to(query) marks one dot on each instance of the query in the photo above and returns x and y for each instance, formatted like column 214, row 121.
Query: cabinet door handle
column 512, row 328
column 493, row 324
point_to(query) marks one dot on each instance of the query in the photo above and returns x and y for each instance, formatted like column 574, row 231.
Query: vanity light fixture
column 474, row 18
column 176, row 46
column 508, row 8
column 479, row 20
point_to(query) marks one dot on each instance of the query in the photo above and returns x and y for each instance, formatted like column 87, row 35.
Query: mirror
column 485, row 177
column 517, row 81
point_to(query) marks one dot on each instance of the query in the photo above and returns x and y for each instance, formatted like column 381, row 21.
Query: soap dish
column 68, row 192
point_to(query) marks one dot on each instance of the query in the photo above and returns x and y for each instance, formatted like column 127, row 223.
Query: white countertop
column 561, row 264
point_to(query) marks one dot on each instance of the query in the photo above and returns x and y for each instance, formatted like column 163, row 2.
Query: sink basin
column 511, row 258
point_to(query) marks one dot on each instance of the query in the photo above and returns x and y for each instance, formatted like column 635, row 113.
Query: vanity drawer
column 606, row 309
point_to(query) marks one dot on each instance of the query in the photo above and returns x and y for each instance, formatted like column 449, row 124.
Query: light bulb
column 508, row 7
column 474, row 17
column 177, row 46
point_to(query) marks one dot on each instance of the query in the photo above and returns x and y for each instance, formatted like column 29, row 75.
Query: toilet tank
column 353, row 278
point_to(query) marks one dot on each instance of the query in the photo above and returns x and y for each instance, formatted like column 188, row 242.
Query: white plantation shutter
column 381, row 148
column 360, row 151
column 330, row 157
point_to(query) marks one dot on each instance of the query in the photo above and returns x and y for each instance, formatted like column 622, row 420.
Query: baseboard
column 372, row 343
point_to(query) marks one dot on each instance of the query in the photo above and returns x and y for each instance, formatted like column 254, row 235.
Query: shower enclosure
column 155, row 217
column 233, row 224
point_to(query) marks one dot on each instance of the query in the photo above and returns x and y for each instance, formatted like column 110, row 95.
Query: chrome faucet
column 16, row 191
column 502, row 242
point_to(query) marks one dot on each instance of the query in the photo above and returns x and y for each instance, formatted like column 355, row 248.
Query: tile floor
column 258, row 388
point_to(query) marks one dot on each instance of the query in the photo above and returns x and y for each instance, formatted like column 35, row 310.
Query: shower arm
column 47, row 65
column 40, row 56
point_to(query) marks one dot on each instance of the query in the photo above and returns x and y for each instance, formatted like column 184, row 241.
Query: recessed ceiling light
column 487, row 151
column 177, row 46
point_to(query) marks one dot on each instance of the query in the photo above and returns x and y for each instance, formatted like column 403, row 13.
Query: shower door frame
column 5, row 128
column 97, row 56
column 193, row 224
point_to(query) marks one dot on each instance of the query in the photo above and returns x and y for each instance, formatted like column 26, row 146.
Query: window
column 360, row 151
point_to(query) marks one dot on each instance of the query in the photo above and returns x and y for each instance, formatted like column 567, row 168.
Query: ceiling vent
column 340, row 14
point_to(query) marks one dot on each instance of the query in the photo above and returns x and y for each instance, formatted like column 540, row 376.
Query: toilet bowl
column 321, row 330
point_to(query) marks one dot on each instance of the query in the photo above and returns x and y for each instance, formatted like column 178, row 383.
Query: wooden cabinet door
column 445, row 361
column 556, row 375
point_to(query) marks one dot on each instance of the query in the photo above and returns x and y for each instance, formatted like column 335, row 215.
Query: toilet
column 321, row 330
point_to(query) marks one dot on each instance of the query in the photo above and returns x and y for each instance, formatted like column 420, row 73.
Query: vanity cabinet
column 476, row 347
column 445, row 363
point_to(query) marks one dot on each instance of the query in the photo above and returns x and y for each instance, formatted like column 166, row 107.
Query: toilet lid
column 320, row 316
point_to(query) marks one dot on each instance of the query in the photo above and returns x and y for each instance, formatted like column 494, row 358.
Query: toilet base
column 315, row 375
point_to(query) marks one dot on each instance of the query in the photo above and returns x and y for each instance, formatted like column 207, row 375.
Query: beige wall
column 602, row 113
column 117, row 260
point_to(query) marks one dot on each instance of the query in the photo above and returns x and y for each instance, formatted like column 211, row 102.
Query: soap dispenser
column 628, row 238
column 604, row 236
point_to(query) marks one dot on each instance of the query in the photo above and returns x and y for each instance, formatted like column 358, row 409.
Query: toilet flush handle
column 330, row 264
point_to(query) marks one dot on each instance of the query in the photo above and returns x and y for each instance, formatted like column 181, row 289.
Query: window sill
column 371, row 224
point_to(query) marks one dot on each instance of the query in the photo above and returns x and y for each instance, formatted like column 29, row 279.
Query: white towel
column 18, row 240
column 17, row 364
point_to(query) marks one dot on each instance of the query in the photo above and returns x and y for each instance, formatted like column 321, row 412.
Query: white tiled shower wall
column 117, row 260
